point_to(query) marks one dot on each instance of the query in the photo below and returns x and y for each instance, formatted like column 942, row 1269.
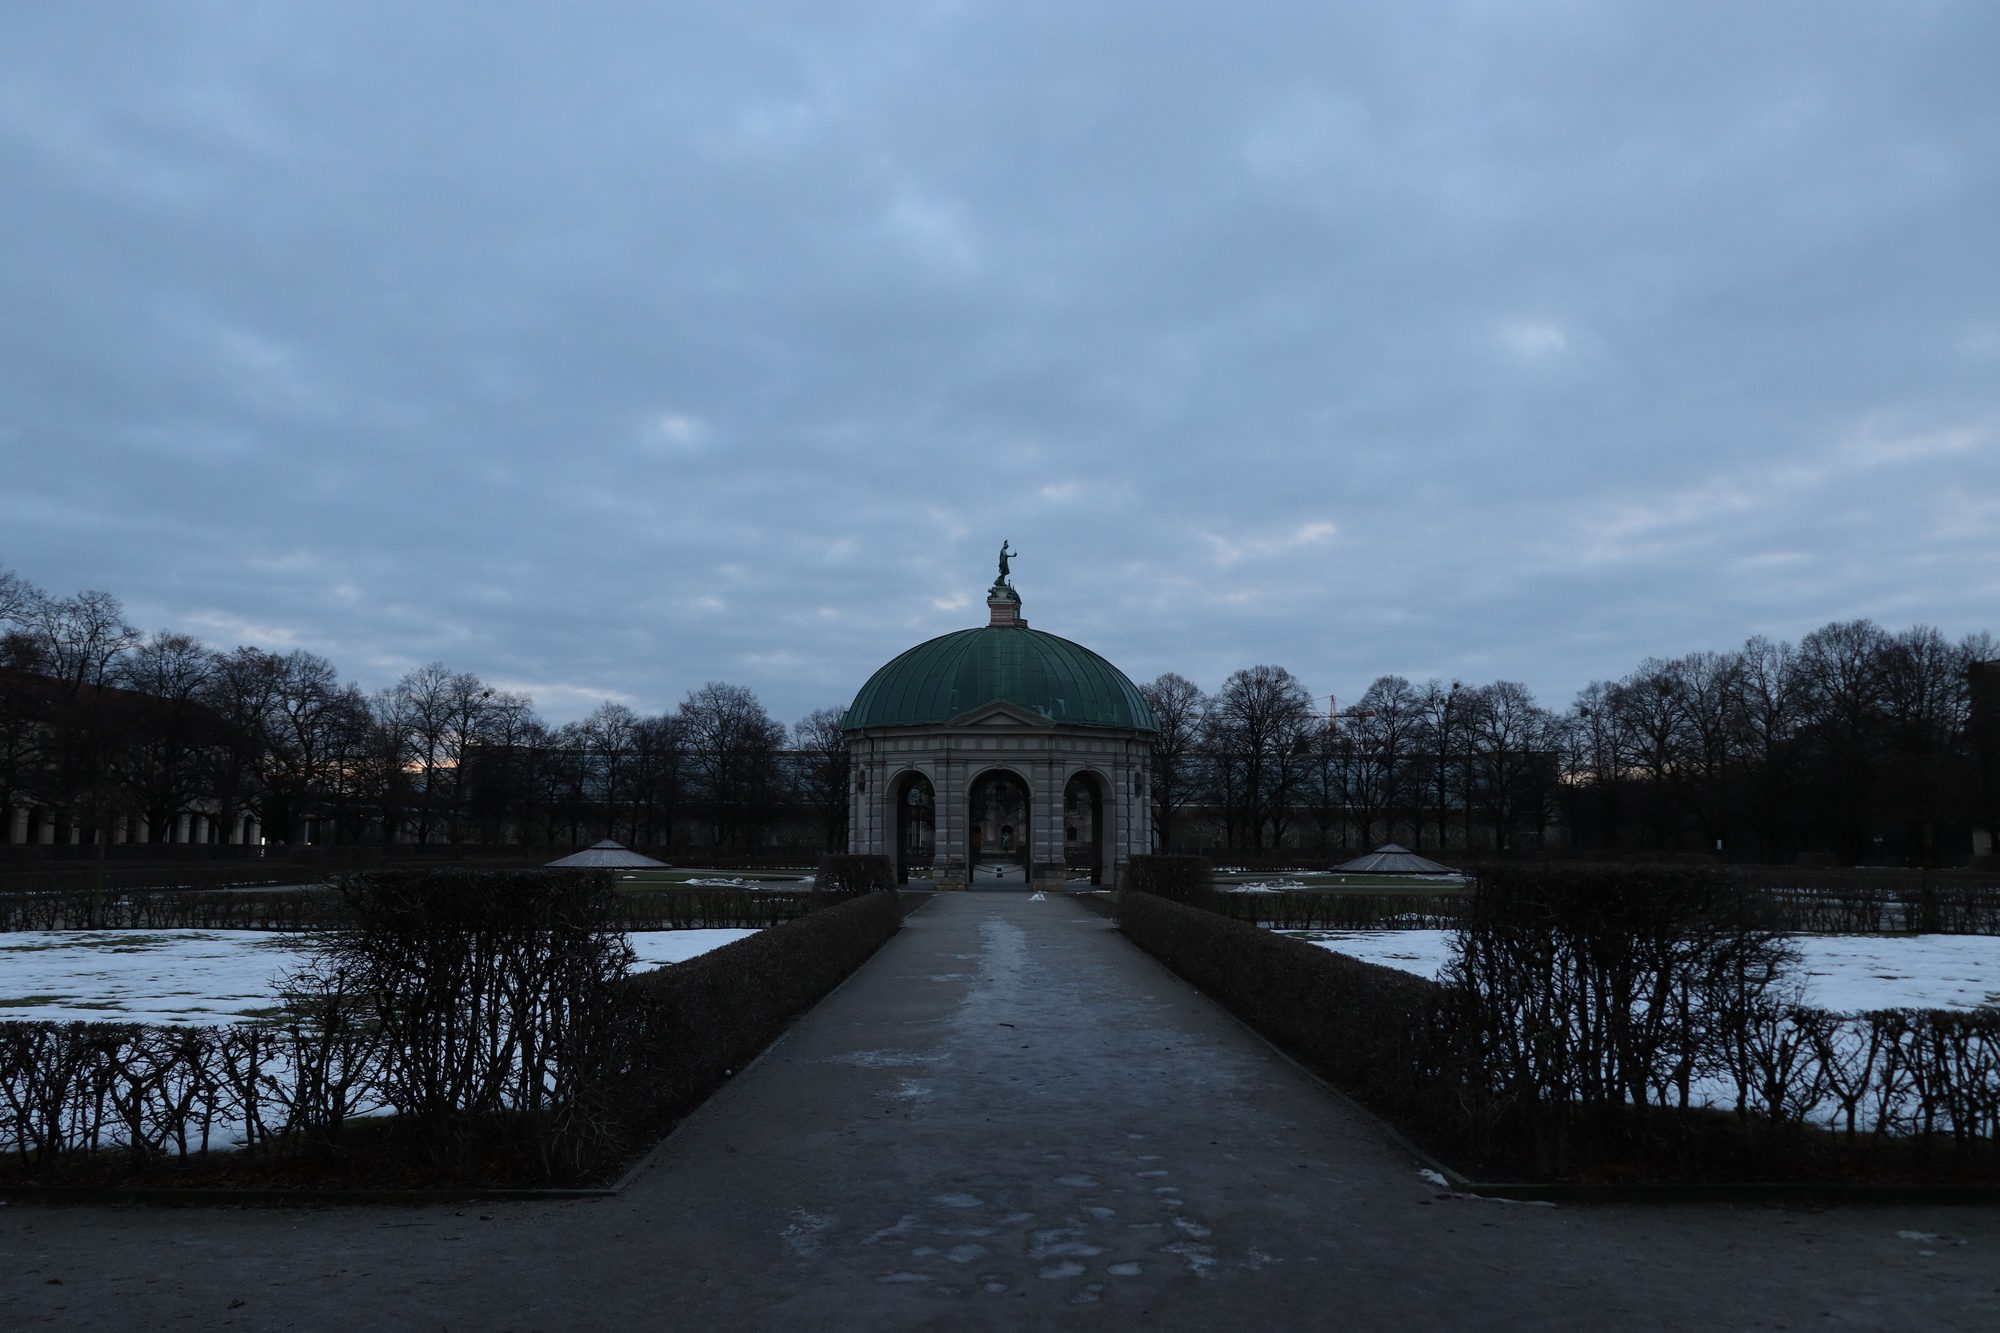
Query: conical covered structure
column 606, row 855
column 1393, row 859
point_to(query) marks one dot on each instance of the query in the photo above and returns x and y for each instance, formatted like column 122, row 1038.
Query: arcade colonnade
column 27, row 825
column 953, row 760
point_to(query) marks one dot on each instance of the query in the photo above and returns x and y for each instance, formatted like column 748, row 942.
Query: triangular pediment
column 998, row 716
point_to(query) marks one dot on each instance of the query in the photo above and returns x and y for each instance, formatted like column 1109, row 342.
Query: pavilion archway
column 999, row 827
column 916, row 827
column 1086, row 830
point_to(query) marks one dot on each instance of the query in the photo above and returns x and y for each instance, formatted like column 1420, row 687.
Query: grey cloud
column 568, row 347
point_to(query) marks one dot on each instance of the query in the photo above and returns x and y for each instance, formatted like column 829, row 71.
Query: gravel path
column 1009, row 1118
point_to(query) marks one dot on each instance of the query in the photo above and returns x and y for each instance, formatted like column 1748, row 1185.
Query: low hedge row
column 1344, row 911
column 680, row 1030
column 1612, row 1025
column 170, row 909
column 854, row 872
column 1863, row 905
column 712, row 909
column 501, row 1062
column 1379, row 1033
column 320, row 908
column 1171, row 876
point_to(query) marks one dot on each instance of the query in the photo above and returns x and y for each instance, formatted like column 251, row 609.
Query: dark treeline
column 108, row 734
column 1855, row 745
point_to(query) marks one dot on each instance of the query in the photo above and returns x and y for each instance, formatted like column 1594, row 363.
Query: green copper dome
column 958, row 672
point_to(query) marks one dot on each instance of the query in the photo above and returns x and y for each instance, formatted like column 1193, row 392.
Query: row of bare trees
column 1857, row 743
column 1259, row 764
column 105, row 728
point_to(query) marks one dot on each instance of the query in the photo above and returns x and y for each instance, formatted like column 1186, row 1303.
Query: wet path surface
column 1009, row 1118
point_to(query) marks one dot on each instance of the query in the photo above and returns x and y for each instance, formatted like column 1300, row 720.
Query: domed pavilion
column 1001, row 755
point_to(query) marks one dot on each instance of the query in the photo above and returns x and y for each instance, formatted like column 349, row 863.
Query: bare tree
column 77, row 642
column 659, row 775
column 1841, row 666
column 608, row 743
column 1771, row 696
column 563, row 781
column 1260, row 723
column 734, row 745
column 1982, row 671
column 1441, row 721
column 498, row 768
column 1649, row 708
column 471, row 709
column 437, row 713
column 313, row 723
column 1927, row 772
column 18, row 599
column 1595, row 748
column 1710, row 690
column 81, row 636
column 240, row 695
column 1513, row 751
column 824, row 770
column 1179, row 707
column 1378, row 741
column 23, row 703
column 169, row 729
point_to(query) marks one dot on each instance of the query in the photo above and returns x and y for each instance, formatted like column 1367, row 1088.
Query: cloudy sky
column 605, row 349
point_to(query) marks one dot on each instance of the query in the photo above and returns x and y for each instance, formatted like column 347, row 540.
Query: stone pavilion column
column 950, row 793
column 1046, row 816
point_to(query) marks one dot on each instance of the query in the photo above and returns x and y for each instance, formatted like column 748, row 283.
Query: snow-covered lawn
column 1847, row 974
column 192, row 977
column 657, row 948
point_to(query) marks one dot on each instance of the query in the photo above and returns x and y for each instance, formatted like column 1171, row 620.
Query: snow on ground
column 190, row 977
column 1852, row 974
column 1423, row 952
column 657, row 948
column 1847, row 974
column 181, row 977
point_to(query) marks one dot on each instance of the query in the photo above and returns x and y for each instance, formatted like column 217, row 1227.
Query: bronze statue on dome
column 1005, row 554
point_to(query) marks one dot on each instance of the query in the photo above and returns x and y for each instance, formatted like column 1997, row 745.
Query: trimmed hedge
column 1304, row 910
column 1381, row 1034
column 1180, row 879
column 170, row 909
column 307, row 909
column 1584, row 1011
column 608, row 1062
column 849, row 872
column 697, row 909
column 683, row 1029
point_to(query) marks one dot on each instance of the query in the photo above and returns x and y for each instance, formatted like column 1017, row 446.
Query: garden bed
column 504, row 1051
column 1530, row 1075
